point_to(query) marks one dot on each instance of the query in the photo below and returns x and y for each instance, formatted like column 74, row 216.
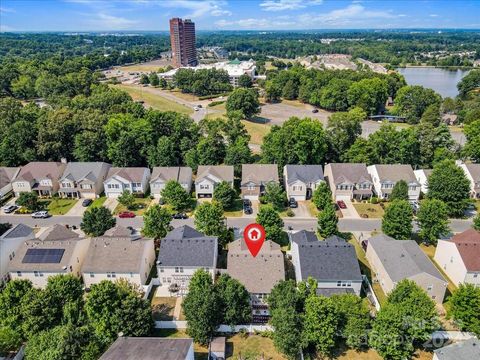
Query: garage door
column 250, row 197
column 298, row 197
column 342, row 197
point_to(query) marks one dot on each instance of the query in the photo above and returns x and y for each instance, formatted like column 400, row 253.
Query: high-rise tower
column 182, row 39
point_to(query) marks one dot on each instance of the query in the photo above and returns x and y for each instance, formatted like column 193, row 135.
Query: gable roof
column 402, row 258
column 353, row 173
column 303, row 173
column 18, row 231
column 396, row 172
column 181, row 174
column 131, row 174
column 258, row 274
column 58, row 232
column 7, row 174
column 462, row 350
column 259, row 173
column 148, row 348
column 222, row 172
column 468, row 245
column 77, row 171
column 187, row 247
column 474, row 170
column 332, row 259
column 40, row 170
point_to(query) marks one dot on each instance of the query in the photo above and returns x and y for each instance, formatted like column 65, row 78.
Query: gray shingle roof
column 222, row 172
column 259, row 173
column 7, row 174
column 304, row 236
column 167, row 173
column 58, row 232
column 333, row 259
column 304, row 173
column 463, row 350
column 132, row 174
column 40, row 170
column 18, row 231
column 396, row 172
column 148, row 348
column 402, row 258
column 187, row 247
column 353, row 173
column 92, row 171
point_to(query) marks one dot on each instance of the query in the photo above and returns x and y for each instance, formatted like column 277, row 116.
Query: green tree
column 244, row 100
column 368, row 94
column 144, row 79
column 432, row 219
column 234, row 301
column 412, row 101
column 275, row 196
column 322, row 196
column 10, row 340
column 127, row 199
column 10, row 304
column 245, row 81
column 449, row 184
column 272, row 223
column 465, row 308
column 472, row 145
column 39, row 312
column 29, row 200
column 476, row 222
column 327, row 221
column 156, row 222
column 431, row 115
column 273, row 92
column 209, row 219
column 201, row 307
column 397, row 220
column 343, row 129
column 153, row 79
column 176, row 196
column 164, row 153
column 469, row 82
column 399, row 191
column 97, row 220
column 225, row 195
column 238, row 153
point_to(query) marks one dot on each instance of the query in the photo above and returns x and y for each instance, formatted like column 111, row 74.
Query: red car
column 126, row 214
column 341, row 204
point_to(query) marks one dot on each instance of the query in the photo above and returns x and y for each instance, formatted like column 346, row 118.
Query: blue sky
column 153, row 15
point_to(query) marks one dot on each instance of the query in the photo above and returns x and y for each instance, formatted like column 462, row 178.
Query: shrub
column 290, row 213
column 374, row 200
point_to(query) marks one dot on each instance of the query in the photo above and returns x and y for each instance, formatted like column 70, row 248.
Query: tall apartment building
column 182, row 39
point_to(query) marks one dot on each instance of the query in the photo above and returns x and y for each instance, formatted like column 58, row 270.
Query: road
column 344, row 225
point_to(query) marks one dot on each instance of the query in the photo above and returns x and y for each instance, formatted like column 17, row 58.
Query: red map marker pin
column 254, row 235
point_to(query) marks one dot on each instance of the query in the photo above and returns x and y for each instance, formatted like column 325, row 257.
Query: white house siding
column 21, row 186
column 434, row 287
column 90, row 278
column 356, row 286
column 470, row 178
column 449, row 259
column 422, row 179
column 204, row 188
column 168, row 276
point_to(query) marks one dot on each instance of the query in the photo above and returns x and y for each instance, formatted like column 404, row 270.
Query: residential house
column 83, row 180
column 182, row 252
column 38, row 259
column 301, row 180
column 258, row 274
column 422, row 176
column 150, row 348
column 332, row 262
column 121, row 253
column 386, row 176
column 7, row 174
column 133, row 179
column 255, row 178
column 349, row 181
column 10, row 241
column 39, row 176
column 459, row 257
column 472, row 172
column 394, row 260
column 162, row 175
column 461, row 350
column 208, row 177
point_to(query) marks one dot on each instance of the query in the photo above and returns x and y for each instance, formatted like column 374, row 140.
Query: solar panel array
column 43, row 256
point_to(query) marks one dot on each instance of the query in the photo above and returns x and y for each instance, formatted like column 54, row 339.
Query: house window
column 181, row 269
column 339, row 283
column 92, row 275
column 164, row 279
column 475, row 276
column 204, row 187
column 412, row 188
column 251, row 187
column 136, row 185
column 86, row 186
column 434, row 297
column 176, row 270
column 131, row 274
column 36, row 273
column 19, row 273
column 297, row 188
column 114, row 275
column 429, row 287
column 162, row 270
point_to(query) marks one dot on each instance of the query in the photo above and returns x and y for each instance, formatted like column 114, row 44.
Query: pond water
column 442, row 81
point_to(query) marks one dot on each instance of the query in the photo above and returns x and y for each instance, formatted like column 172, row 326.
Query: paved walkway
column 350, row 212
column 77, row 209
column 178, row 308
column 111, row 203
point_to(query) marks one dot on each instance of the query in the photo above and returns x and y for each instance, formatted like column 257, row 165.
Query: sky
column 153, row 15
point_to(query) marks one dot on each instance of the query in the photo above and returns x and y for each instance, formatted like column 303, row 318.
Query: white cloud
column 252, row 23
column 281, row 5
column 4, row 10
column 102, row 21
column 433, row 15
column 6, row 28
column 198, row 8
column 220, row 12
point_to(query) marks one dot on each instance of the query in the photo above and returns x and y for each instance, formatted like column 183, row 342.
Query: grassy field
column 142, row 204
column 236, row 211
column 184, row 96
column 98, row 202
column 371, row 210
column 153, row 100
column 371, row 354
column 58, row 206
column 257, row 131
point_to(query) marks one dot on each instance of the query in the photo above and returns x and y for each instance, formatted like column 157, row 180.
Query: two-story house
column 459, row 257
column 422, row 176
column 332, row 262
column 301, row 180
column 472, row 172
column 163, row 174
column 39, row 176
column 7, row 174
column 10, row 241
column 182, row 252
column 133, row 179
column 386, row 176
column 349, row 181
column 120, row 253
column 83, row 179
column 255, row 178
column 208, row 177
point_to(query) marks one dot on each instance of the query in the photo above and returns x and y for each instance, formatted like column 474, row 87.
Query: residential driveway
column 350, row 212
column 77, row 209
column 9, row 202
column 302, row 210
column 111, row 203
column 255, row 207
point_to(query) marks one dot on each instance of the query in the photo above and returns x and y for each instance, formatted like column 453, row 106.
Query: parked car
column 9, row 209
column 315, row 111
column 86, row 202
column 247, row 210
column 181, row 216
column 199, row 106
column 195, row 108
column 247, row 202
column 126, row 214
column 40, row 215
column 341, row 204
column 293, row 203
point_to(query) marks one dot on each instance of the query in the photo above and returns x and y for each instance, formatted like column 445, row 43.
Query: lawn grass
column 236, row 210
column 98, row 202
column 371, row 354
column 58, row 206
column 188, row 97
column 153, row 100
column 163, row 308
column 312, row 209
column 373, row 211
column 251, row 347
column 256, row 131
column 138, row 201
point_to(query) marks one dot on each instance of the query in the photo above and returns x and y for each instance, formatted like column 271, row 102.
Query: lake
column 442, row 81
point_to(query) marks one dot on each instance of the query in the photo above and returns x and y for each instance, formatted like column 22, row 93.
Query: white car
column 195, row 108
column 9, row 209
column 40, row 215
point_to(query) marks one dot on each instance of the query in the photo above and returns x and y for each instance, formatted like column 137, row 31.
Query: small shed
column 217, row 348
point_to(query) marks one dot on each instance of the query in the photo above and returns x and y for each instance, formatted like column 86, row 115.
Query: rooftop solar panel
column 43, row 256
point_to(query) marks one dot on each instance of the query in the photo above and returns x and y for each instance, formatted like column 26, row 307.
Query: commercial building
column 182, row 39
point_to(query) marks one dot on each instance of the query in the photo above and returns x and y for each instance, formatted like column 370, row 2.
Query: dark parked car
column 293, row 203
column 182, row 216
column 247, row 210
column 126, row 214
column 86, row 202
column 247, row 202
column 341, row 204
column 315, row 111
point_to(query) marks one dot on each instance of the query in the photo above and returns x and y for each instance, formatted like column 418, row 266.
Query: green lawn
column 98, row 202
column 256, row 131
column 369, row 210
column 58, row 206
column 236, row 210
column 141, row 204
